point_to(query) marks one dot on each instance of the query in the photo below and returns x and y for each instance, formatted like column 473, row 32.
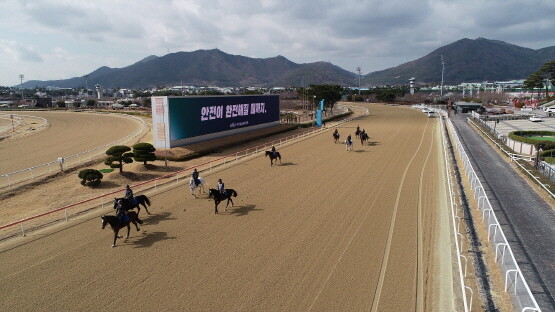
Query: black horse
column 357, row 133
column 117, row 225
column 218, row 197
column 127, row 205
column 336, row 137
column 363, row 138
column 273, row 157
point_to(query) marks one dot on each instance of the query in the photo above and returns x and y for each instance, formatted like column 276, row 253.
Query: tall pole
column 21, row 85
column 442, row 70
column 358, row 70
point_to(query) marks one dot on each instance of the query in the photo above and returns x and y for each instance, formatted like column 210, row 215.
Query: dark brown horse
column 219, row 197
column 139, row 200
column 116, row 224
column 363, row 138
column 336, row 137
column 273, row 156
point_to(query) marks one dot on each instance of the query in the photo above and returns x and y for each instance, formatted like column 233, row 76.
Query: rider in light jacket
column 129, row 195
column 221, row 187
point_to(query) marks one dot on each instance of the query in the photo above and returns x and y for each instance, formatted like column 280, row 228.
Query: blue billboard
column 198, row 116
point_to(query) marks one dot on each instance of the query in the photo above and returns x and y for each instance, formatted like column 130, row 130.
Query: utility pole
column 442, row 70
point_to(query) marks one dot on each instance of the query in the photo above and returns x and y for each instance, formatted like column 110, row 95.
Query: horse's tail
column 147, row 201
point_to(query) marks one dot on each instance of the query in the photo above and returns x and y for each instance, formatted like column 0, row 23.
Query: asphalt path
column 526, row 219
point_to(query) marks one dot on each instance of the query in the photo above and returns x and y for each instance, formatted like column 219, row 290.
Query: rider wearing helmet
column 195, row 177
column 129, row 195
column 336, row 132
column 274, row 151
column 349, row 139
column 221, row 187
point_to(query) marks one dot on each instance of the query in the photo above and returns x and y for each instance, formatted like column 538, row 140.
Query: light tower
column 411, row 84
column 442, row 70
column 358, row 71
column 21, row 76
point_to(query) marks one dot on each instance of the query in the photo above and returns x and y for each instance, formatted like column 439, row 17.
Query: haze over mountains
column 466, row 60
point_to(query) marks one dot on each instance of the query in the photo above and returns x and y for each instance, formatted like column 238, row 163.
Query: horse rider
column 358, row 128
column 195, row 177
column 349, row 140
column 221, row 187
column 336, row 133
column 274, row 151
column 129, row 195
column 363, row 133
column 120, row 212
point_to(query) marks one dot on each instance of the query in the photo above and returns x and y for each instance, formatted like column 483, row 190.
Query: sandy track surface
column 327, row 230
column 67, row 135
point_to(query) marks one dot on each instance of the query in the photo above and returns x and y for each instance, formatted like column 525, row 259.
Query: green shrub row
column 524, row 136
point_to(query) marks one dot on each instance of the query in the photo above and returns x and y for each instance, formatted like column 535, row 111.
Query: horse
column 273, row 157
column 139, row 200
column 117, row 225
column 218, row 197
column 336, row 137
column 363, row 137
column 357, row 133
column 348, row 145
column 193, row 186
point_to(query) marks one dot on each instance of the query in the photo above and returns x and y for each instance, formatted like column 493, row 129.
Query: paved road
column 527, row 220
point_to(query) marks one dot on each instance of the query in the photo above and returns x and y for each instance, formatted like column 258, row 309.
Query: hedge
column 524, row 136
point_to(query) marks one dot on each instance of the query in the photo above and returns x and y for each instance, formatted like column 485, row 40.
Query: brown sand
column 327, row 230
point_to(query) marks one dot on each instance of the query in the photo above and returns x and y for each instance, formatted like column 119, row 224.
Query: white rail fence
column 515, row 284
column 174, row 179
column 9, row 179
column 11, row 122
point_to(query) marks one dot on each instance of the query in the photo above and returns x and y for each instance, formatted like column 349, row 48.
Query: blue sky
column 59, row 39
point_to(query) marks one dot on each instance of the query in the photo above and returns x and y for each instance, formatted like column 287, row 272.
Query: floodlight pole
column 442, row 70
column 358, row 70
column 21, row 76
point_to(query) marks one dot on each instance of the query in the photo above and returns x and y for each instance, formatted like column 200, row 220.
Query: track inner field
column 327, row 230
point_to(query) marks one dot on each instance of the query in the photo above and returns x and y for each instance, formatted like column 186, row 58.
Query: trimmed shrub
column 144, row 152
column 524, row 136
column 90, row 177
column 117, row 156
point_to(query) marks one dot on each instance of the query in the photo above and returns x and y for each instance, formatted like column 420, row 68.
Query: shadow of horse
column 288, row 164
column 148, row 239
column 373, row 143
column 244, row 210
column 158, row 218
column 359, row 151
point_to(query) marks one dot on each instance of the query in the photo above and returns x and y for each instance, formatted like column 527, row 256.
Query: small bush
column 90, row 177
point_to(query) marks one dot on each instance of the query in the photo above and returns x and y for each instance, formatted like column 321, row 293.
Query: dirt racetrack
column 65, row 136
column 327, row 230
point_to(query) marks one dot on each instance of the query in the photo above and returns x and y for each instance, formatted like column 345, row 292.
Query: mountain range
column 466, row 60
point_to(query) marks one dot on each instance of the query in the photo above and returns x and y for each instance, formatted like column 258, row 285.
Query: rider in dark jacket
column 195, row 177
column 274, row 151
column 129, row 195
column 349, row 139
column 120, row 212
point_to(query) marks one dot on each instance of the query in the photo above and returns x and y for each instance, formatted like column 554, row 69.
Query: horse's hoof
column 120, row 236
column 113, row 246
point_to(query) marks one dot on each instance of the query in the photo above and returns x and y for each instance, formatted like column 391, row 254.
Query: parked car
column 535, row 118
column 431, row 114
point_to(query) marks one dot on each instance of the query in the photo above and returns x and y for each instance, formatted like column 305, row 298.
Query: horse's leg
column 115, row 237
column 136, row 225
column 144, row 205
column 216, row 206
column 128, row 230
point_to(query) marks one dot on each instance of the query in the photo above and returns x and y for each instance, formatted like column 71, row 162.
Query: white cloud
column 373, row 34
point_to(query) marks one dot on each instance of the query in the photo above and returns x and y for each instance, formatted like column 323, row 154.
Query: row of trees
column 119, row 155
column 542, row 77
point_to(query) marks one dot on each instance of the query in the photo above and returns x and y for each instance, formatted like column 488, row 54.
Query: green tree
column 144, row 152
column 90, row 103
column 539, row 78
column 117, row 156
column 90, row 177
column 534, row 81
column 331, row 94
